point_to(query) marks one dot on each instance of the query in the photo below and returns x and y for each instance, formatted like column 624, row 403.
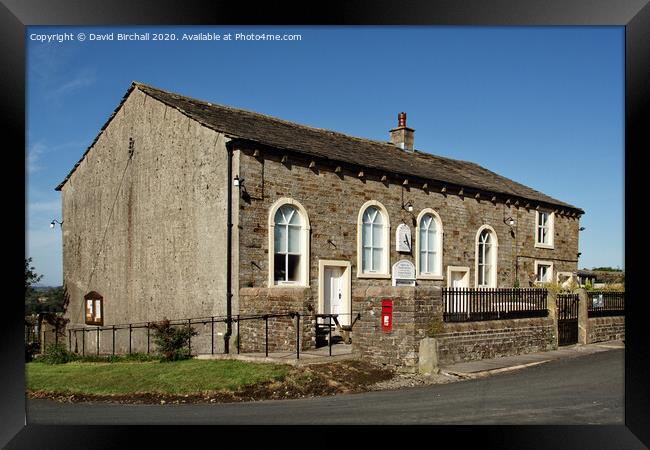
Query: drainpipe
column 226, row 337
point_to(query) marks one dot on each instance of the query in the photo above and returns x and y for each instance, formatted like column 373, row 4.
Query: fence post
column 330, row 330
column 130, row 331
column 69, row 340
column 189, row 340
column 98, row 340
column 148, row 337
column 551, row 305
column 297, row 335
column 583, row 317
column 238, row 338
column 113, row 340
column 212, row 335
column 83, row 342
column 266, row 340
column 56, row 334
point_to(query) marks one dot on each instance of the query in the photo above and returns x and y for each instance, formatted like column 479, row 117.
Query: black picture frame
column 634, row 15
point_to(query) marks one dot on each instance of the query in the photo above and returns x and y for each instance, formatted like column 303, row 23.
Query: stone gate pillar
column 583, row 317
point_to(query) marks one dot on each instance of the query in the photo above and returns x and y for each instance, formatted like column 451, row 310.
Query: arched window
column 373, row 241
column 486, row 257
column 288, row 244
column 94, row 308
column 429, row 245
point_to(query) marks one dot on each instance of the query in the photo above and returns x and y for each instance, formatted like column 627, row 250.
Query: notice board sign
column 403, row 273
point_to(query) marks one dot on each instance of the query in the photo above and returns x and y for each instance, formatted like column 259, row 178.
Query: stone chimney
column 402, row 136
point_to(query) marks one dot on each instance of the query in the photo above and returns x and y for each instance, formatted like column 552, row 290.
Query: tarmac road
column 581, row 390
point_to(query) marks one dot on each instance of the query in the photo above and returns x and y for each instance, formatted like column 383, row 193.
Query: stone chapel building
column 182, row 208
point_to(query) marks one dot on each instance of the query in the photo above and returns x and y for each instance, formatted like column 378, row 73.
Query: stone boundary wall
column 606, row 328
column 414, row 310
column 470, row 341
column 282, row 330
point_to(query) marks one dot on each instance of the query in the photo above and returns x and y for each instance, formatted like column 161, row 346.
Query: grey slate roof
column 339, row 147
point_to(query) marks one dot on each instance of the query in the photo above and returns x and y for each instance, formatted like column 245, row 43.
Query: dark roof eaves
column 450, row 184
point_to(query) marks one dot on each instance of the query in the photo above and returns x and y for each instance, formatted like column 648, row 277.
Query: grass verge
column 177, row 377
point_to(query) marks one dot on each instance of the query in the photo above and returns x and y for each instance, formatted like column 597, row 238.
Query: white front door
column 334, row 301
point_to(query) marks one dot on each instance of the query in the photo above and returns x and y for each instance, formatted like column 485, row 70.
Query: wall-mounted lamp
column 54, row 222
column 509, row 221
column 237, row 181
column 408, row 206
column 581, row 229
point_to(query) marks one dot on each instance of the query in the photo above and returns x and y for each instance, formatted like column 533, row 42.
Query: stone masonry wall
column 490, row 339
column 333, row 200
column 147, row 232
column 606, row 328
column 414, row 309
column 282, row 330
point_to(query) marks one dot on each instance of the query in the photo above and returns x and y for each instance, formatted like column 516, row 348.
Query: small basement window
column 543, row 271
column 94, row 308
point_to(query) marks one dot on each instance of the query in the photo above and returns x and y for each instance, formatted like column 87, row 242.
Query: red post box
column 386, row 315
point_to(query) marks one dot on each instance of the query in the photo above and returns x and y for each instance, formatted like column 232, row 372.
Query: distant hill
column 43, row 288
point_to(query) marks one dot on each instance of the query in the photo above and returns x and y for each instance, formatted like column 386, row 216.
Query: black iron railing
column 605, row 303
column 101, row 340
column 476, row 304
column 77, row 337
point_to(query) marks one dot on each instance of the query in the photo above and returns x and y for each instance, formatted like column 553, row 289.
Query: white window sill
column 289, row 285
column 548, row 246
column 424, row 276
column 374, row 275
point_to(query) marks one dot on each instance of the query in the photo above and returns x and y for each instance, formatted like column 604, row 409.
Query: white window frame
column 386, row 242
column 451, row 269
column 550, row 221
column 438, row 246
column 550, row 270
column 304, row 244
column 494, row 256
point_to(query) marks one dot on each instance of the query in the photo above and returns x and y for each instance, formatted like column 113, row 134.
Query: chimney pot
column 401, row 119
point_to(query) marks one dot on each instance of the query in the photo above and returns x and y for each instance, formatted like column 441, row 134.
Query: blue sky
column 543, row 106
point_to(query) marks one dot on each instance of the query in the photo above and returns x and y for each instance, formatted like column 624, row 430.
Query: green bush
column 56, row 354
column 172, row 341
